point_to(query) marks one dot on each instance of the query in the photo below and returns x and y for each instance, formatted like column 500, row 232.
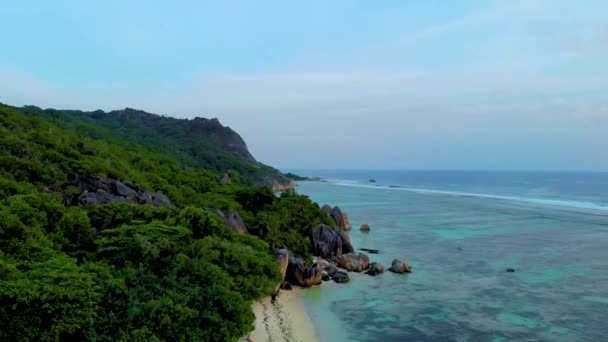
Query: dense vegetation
column 122, row 271
column 200, row 143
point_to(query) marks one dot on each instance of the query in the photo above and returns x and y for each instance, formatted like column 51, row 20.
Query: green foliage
column 123, row 271
column 202, row 223
column 254, row 271
column 47, row 300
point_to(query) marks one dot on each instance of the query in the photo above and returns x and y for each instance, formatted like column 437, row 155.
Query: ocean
column 460, row 231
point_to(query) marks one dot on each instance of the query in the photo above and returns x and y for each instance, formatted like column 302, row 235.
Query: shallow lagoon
column 459, row 248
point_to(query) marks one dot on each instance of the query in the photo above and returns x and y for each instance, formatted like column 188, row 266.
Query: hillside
column 198, row 142
column 102, row 241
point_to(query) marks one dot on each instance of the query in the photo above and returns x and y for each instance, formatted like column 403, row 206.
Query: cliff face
column 197, row 142
column 193, row 130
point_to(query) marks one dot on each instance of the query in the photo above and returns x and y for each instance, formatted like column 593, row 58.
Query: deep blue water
column 460, row 231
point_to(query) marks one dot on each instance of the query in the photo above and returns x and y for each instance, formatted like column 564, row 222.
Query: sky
column 485, row 85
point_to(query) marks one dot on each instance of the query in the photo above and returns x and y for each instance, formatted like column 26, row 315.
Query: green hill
column 199, row 142
column 102, row 240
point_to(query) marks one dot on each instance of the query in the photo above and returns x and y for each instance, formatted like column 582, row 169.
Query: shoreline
column 285, row 319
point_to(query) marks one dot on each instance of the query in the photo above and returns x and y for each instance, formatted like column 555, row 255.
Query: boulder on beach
column 399, row 266
column 282, row 257
column 352, row 262
column 328, row 242
column 364, row 227
column 298, row 273
column 375, row 268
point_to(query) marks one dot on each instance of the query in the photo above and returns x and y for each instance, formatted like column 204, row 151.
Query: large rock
column 160, row 199
column 282, row 257
column 364, row 227
column 232, row 220
column 340, row 277
column 327, row 209
column 375, row 268
column 328, row 242
column 235, row 222
column 298, row 273
column 399, row 266
column 341, row 218
column 353, row 262
column 123, row 190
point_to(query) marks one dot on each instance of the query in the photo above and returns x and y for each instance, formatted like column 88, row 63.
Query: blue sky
column 334, row 84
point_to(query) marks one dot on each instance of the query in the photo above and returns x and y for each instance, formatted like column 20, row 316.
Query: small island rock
column 364, row 227
column 375, row 268
column 399, row 266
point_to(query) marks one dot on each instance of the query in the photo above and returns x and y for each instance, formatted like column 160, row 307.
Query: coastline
column 285, row 319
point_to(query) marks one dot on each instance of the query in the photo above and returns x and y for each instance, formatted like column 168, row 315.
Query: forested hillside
column 202, row 143
column 106, row 241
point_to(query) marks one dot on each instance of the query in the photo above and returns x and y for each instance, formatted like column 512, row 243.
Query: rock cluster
column 334, row 258
column 108, row 190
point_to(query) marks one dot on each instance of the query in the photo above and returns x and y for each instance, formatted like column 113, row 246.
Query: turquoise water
column 459, row 247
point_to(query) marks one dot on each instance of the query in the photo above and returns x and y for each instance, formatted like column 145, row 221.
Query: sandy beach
column 285, row 319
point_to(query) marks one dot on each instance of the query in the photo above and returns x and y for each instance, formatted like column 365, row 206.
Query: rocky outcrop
column 328, row 242
column 282, row 257
column 364, row 227
column 298, row 273
column 353, row 262
column 280, row 187
column 375, row 268
column 399, row 266
column 108, row 190
column 339, row 217
column 232, row 220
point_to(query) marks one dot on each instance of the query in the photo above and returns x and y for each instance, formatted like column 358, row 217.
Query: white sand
column 285, row 319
